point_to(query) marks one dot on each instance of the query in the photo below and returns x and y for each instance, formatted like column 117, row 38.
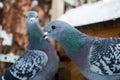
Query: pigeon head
column 32, row 17
column 56, row 29
column 65, row 34
column 32, row 22
column 34, row 29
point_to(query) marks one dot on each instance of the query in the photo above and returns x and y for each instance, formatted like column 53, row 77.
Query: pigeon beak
column 32, row 19
column 45, row 35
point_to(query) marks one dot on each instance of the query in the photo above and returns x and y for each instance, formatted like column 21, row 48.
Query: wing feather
column 29, row 64
column 105, row 56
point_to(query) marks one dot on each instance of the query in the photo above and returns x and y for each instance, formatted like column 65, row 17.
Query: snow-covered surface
column 11, row 58
column 34, row 3
column 92, row 13
column 7, row 38
column 71, row 2
column 1, row 5
column 13, row 1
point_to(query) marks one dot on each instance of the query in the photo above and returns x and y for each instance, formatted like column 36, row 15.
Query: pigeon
column 35, row 34
column 27, row 66
column 97, row 58
column 40, row 61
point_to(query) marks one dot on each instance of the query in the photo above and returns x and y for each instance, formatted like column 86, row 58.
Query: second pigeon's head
column 32, row 18
column 32, row 21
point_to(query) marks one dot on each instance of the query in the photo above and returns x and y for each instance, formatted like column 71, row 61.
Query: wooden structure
column 110, row 28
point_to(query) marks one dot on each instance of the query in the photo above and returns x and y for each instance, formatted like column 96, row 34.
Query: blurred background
column 99, row 18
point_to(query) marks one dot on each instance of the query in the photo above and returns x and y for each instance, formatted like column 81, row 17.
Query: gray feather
column 35, row 34
column 27, row 66
column 105, row 56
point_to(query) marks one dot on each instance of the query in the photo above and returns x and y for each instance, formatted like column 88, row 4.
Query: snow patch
column 1, row 5
column 7, row 37
column 34, row 3
column 92, row 13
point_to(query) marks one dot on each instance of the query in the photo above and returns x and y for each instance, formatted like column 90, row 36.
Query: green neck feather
column 35, row 38
column 72, row 40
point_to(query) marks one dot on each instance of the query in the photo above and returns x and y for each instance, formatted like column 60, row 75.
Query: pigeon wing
column 28, row 65
column 104, row 56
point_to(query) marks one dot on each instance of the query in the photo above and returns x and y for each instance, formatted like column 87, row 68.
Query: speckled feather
column 27, row 66
column 97, row 58
column 105, row 56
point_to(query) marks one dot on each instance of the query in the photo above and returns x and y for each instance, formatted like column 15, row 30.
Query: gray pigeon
column 36, row 42
column 27, row 66
column 96, row 58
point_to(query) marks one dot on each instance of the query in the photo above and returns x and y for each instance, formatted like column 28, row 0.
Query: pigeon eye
column 53, row 27
column 25, row 16
column 36, row 16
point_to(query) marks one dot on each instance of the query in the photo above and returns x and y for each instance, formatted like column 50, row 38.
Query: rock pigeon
column 36, row 42
column 97, row 58
column 27, row 66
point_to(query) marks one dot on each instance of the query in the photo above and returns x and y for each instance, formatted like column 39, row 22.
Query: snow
column 7, row 38
column 34, row 3
column 92, row 13
column 106, row 0
column 1, row 5
column 71, row 2
column 13, row 1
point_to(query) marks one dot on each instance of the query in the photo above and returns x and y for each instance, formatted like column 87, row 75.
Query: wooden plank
column 57, row 11
column 111, row 32
column 1, row 40
column 72, row 69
